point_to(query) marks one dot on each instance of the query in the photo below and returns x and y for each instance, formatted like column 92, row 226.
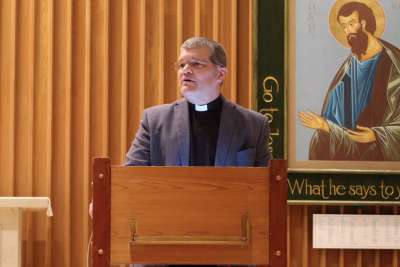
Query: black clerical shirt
column 204, row 127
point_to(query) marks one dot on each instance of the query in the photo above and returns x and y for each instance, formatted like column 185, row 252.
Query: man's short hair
column 217, row 51
column 364, row 13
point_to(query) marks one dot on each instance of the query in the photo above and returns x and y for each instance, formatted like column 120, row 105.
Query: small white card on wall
column 351, row 231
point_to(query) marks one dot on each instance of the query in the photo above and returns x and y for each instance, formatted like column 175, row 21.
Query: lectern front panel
column 189, row 215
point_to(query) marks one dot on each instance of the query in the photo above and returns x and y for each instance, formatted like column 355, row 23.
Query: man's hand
column 311, row 120
column 364, row 135
column 91, row 210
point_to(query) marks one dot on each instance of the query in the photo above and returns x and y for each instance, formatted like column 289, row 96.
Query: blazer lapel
column 182, row 126
column 227, row 129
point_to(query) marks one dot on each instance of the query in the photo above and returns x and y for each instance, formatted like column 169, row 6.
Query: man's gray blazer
column 163, row 138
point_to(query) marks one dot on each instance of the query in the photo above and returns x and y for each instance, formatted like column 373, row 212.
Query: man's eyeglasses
column 193, row 64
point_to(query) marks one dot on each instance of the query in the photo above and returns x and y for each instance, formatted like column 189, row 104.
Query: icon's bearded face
column 355, row 33
column 358, row 42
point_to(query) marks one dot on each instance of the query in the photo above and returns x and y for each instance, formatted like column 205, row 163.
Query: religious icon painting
column 344, row 84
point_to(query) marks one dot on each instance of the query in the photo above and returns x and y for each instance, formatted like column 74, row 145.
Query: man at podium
column 203, row 128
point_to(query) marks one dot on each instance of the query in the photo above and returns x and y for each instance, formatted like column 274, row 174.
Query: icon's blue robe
column 376, row 105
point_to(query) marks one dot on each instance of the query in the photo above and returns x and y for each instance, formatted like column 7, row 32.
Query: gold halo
column 336, row 29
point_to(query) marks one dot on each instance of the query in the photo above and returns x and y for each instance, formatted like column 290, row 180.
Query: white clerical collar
column 201, row 108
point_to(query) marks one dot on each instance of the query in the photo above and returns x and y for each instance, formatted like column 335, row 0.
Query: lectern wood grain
column 189, row 215
column 189, row 202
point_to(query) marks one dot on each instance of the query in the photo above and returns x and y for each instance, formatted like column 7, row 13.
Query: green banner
column 270, row 70
column 344, row 187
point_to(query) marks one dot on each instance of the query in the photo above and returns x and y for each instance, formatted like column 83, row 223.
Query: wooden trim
column 86, row 170
column 216, row 15
column 161, row 52
column 277, row 214
column 304, row 222
column 197, row 17
column 43, row 113
column 252, row 17
column 234, row 52
column 8, row 35
column 68, row 130
column 124, row 78
column 179, row 35
column 101, row 223
column 142, row 55
column 323, row 251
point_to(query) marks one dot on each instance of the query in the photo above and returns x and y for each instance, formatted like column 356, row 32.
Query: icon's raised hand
column 363, row 135
column 311, row 120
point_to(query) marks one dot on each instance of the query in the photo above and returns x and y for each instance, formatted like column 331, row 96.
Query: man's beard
column 358, row 42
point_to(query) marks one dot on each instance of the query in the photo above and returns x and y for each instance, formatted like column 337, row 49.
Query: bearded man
column 360, row 118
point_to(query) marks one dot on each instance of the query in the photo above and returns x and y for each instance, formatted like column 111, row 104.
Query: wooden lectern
column 189, row 215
